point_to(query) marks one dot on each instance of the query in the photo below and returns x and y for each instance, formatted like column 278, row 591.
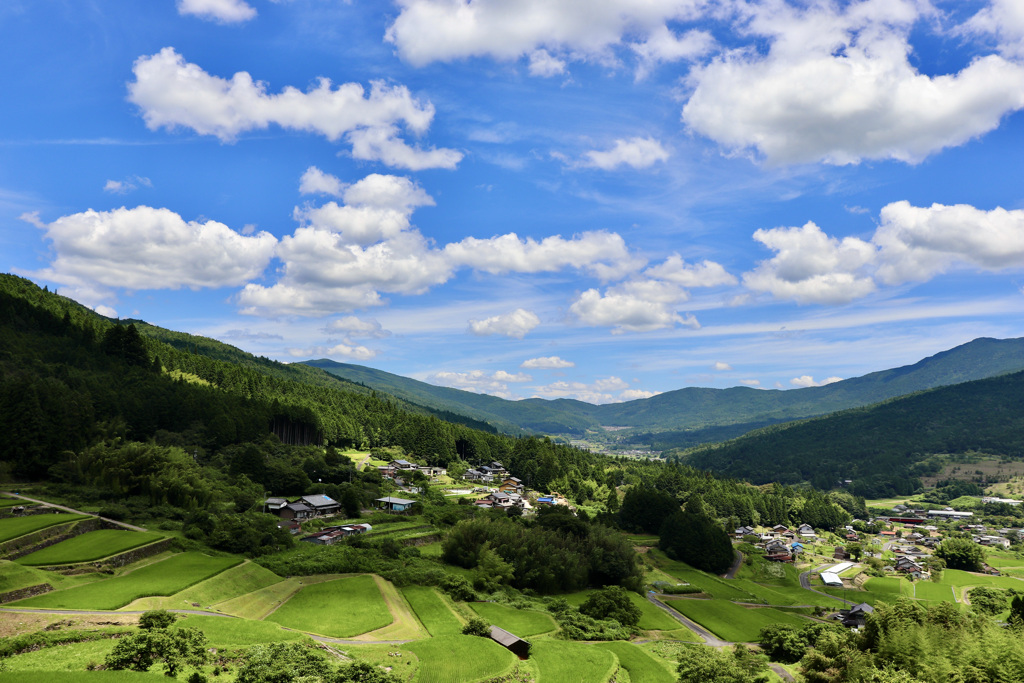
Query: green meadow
column 76, row 677
column 160, row 578
column 733, row 622
column 432, row 610
column 641, row 667
column 522, row 622
column 340, row 609
column 562, row 661
column 13, row 527
column 458, row 659
column 91, row 546
column 224, row 632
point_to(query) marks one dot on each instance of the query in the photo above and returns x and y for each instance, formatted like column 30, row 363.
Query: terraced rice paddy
column 522, row 622
column 340, row 609
column 642, row 667
column 167, row 577
column 457, row 659
column 935, row 592
column 433, row 611
column 14, row 576
column 733, row 622
column 13, row 527
column 225, row 632
column 561, row 661
column 91, row 546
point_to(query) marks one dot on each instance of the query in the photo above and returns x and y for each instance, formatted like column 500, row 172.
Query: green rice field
column 642, row 667
column 340, row 609
column 94, row 545
column 712, row 585
column 14, row 576
column 522, row 622
column 11, row 502
column 167, row 577
column 561, row 661
column 457, row 659
column 223, row 632
column 13, row 527
column 433, row 611
column 733, row 622
column 927, row 590
column 232, row 583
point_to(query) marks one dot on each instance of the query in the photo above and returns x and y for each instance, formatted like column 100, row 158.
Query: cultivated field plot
column 712, row 585
column 14, row 576
column 91, row 546
column 652, row 617
column 642, row 667
column 225, row 632
column 960, row 579
column 458, row 659
column 561, row 661
column 340, row 609
column 433, row 611
column 167, row 577
column 522, row 622
column 792, row 595
column 13, row 527
column 733, row 622
column 12, row 502
column 234, row 582
column 934, row 592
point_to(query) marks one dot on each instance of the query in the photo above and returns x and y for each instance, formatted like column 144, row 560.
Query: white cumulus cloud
column 149, row 248
column 172, row 92
column 127, row 185
column 703, row 274
column 837, row 85
column 478, row 381
column 634, row 394
column 635, row 306
column 635, row 152
column 222, row 11
column 444, row 30
column 315, row 181
column 516, row 324
column 750, row 382
column 546, row 363
column 720, row 366
column 811, row 267
column 662, row 45
column 917, row 243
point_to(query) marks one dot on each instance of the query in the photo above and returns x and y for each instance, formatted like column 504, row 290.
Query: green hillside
column 881, row 448
column 677, row 418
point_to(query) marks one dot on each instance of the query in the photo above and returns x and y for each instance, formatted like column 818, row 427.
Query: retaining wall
column 44, row 538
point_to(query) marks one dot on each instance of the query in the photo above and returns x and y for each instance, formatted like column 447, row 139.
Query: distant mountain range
column 696, row 414
column 880, row 449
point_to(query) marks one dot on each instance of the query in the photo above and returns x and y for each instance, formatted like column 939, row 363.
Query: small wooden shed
column 511, row 642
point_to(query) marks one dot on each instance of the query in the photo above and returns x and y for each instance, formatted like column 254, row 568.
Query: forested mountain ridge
column 94, row 406
column 882, row 448
column 688, row 410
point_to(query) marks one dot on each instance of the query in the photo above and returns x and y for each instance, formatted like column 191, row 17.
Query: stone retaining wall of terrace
column 23, row 593
column 44, row 538
column 113, row 561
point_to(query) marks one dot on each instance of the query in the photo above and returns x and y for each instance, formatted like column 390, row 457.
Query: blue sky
column 599, row 200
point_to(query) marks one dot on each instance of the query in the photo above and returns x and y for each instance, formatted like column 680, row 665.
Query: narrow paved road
column 709, row 637
column 71, row 510
column 731, row 574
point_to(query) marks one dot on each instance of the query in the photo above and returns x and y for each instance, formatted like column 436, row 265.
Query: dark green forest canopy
column 882, row 448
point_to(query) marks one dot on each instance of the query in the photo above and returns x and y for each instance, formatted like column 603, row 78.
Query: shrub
column 477, row 627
